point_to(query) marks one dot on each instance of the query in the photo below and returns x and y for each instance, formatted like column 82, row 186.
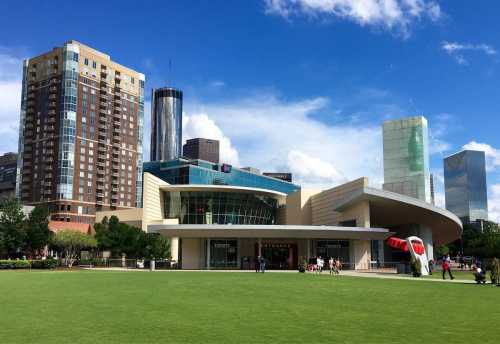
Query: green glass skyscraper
column 406, row 157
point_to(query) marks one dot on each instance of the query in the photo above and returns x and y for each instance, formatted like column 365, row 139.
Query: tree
column 71, row 243
column 37, row 230
column 12, row 230
column 156, row 246
column 121, row 238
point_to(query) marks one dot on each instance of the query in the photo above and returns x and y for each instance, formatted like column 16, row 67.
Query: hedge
column 26, row 264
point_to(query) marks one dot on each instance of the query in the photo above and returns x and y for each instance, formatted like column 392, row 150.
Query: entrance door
column 279, row 256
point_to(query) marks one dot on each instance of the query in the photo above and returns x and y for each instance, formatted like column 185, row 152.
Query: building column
column 308, row 249
column 260, row 247
column 208, row 254
column 174, row 249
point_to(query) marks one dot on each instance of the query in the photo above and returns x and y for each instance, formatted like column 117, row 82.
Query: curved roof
column 221, row 188
column 390, row 209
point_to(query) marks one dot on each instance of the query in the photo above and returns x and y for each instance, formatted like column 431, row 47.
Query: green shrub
column 14, row 264
column 26, row 264
column 44, row 264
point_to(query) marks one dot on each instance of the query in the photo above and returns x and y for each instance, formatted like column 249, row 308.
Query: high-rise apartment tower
column 80, row 134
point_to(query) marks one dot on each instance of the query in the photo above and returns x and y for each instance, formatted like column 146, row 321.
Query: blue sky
column 301, row 85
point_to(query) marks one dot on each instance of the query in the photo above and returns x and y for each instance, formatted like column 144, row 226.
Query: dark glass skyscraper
column 204, row 149
column 166, row 124
column 465, row 185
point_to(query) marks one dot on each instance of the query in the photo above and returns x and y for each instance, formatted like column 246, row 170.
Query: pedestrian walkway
column 350, row 273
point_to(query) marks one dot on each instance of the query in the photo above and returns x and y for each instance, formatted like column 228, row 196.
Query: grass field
column 212, row 307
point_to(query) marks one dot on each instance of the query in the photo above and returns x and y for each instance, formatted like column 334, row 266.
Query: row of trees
column 29, row 236
column 483, row 243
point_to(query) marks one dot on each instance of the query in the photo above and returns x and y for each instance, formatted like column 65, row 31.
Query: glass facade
column 67, row 125
column 166, row 124
column 140, row 137
column 406, row 157
column 182, row 171
column 200, row 207
column 465, row 185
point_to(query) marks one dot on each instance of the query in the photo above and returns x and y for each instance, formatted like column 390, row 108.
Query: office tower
column 465, row 185
column 8, row 167
column 80, row 134
column 166, row 124
column 406, row 157
column 204, row 149
column 287, row 177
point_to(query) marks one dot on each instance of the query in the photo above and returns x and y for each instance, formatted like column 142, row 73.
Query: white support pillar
column 174, row 248
column 260, row 247
column 208, row 254
column 308, row 249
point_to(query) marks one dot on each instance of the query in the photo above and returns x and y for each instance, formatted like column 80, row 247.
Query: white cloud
column 10, row 100
column 492, row 154
column 457, row 50
column 494, row 203
column 275, row 135
column 199, row 125
column 389, row 14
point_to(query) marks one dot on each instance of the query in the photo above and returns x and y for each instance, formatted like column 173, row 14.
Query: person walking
column 338, row 266
column 446, row 267
column 262, row 264
column 331, row 265
column 257, row 264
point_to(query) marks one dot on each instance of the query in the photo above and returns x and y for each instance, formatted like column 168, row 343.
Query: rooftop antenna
column 170, row 71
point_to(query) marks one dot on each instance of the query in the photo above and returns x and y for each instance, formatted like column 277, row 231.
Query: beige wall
column 298, row 207
column 152, row 200
column 324, row 204
column 360, row 252
column 191, row 254
column 131, row 217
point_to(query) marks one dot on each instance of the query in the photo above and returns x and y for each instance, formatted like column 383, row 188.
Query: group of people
column 334, row 265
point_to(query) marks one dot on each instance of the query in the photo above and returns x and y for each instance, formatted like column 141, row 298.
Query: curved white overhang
column 270, row 231
column 389, row 209
column 221, row 188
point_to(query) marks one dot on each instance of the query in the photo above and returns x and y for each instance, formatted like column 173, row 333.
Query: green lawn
column 218, row 307
column 458, row 274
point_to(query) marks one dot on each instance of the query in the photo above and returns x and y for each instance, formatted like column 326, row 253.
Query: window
column 86, row 61
column 94, row 64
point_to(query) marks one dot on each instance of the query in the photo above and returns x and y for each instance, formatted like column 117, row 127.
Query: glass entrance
column 279, row 256
column 224, row 254
column 333, row 248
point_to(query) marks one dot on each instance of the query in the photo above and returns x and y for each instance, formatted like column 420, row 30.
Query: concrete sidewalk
column 350, row 273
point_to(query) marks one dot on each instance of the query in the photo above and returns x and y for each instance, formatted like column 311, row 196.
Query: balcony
column 52, row 105
column 52, row 112
column 52, row 96
column 53, row 89
column 51, row 120
column 31, row 96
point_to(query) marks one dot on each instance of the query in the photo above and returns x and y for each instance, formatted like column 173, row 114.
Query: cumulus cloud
column 389, row 14
column 492, row 154
column 494, row 203
column 457, row 50
column 200, row 126
column 10, row 100
column 275, row 135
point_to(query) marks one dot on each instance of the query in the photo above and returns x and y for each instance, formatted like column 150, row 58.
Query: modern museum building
column 222, row 217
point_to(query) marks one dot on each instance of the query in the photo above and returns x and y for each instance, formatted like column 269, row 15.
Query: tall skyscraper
column 465, row 185
column 166, row 124
column 80, row 133
column 8, row 168
column 204, row 149
column 406, row 157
